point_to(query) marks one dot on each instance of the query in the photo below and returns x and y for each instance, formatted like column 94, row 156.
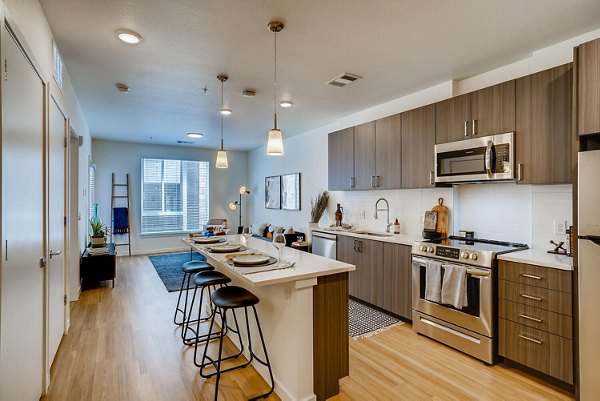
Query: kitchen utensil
column 430, row 222
column 433, row 235
column 442, row 218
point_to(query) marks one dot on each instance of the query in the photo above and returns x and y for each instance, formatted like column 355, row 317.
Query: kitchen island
column 303, row 312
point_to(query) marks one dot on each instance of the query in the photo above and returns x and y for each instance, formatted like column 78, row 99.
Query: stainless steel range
column 470, row 329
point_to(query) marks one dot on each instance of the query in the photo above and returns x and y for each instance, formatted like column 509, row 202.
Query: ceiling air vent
column 249, row 93
column 122, row 87
column 185, row 142
column 343, row 80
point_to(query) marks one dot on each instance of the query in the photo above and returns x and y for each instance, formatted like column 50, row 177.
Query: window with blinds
column 92, row 189
column 174, row 195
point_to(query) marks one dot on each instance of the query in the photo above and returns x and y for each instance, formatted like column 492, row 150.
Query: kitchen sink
column 374, row 234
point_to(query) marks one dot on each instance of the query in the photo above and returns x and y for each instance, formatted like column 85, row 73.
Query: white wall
column 527, row 219
column 28, row 19
column 125, row 157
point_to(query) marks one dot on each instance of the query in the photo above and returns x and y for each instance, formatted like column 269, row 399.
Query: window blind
column 174, row 195
column 92, row 189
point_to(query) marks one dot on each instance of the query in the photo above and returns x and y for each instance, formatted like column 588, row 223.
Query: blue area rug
column 168, row 268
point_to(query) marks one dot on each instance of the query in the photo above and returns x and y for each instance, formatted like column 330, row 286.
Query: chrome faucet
column 387, row 209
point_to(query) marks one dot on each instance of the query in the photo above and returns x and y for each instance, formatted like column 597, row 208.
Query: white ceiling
column 397, row 46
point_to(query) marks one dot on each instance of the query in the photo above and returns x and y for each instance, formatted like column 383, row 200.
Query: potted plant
column 98, row 230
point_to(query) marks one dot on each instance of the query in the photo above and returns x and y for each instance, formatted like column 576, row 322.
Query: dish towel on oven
column 454, row 286
column 433, row 280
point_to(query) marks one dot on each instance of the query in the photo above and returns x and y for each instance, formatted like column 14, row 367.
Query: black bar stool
column 202, row 280
column 188, row 268
column 231, row 298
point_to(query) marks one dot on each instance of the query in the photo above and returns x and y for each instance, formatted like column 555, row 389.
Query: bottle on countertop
column 396, row 227
column 338, row 215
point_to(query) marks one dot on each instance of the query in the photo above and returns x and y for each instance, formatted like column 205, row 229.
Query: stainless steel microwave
column 488, row 158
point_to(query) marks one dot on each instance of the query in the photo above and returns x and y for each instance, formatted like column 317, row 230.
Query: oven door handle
column 488, row 158
column 472, row 272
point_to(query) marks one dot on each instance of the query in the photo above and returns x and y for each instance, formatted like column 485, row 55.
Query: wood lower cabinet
column 383, row 273
column 544, row 126
column 341, row 160
column 418, row 142
column 588, row 88
column 536, row 318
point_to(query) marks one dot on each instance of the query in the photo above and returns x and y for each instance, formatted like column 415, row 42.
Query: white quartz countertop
column 403, row 239
column 539, row 258
column 307, row 266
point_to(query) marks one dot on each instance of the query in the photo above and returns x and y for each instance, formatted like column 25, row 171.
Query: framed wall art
column 290, row 191
column 273, row 192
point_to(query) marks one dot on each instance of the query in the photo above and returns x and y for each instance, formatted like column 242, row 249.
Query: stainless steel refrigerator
column 589, row 274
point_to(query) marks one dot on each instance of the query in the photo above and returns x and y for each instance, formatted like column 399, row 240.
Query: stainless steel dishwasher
column 324, row 244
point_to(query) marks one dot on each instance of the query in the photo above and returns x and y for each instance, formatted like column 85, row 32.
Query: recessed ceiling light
column 129, row 37
column 286, row 103
column 225, row 112
column 195, row 135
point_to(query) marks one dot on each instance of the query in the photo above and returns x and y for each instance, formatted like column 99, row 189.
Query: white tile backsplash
column 510, row 212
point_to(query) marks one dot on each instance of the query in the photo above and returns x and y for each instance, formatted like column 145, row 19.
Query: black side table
column 99, row 267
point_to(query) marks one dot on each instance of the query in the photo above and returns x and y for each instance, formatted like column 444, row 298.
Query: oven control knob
column 464, row 255
column 474, row 256
column 430, row 249
column 423, row 248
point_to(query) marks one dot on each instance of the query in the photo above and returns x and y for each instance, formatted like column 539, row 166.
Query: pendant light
column 275, row 142
column 222, row 154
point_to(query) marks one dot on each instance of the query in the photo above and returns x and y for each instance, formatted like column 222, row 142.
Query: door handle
column 488, row 158
column 531, row 297
column 533, row 340
column 352, row 182
column 431, row 179
column 535, row 319
column 466, row 128
column 372, row 181
column 520, row 172
column 530, row 276
column 54, row 253
column 474, row 127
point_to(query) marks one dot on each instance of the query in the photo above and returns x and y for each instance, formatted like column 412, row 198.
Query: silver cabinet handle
column 474, row 127
column 431, row 179
column 531, row 297
column 466, row 128
column 535, row 319
column 533, row 340
column 520, row 172
column 372, row 181
column 53, row 253
column 530, row 276
column 352, row 182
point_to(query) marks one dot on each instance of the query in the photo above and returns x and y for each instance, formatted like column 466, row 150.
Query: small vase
column 97, row 242
column 311, row 226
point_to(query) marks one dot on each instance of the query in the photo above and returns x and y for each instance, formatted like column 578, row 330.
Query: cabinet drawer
column 537, row 318
column 553, row 301
column 538, row 276
column 544, row 352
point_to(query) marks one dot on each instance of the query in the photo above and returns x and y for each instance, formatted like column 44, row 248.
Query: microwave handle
column 488, row 159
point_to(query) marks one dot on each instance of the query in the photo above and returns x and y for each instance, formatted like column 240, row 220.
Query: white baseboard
column 157, row 251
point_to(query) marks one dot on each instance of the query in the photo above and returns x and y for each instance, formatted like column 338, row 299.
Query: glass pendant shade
column 275, row 143
column 222, row 159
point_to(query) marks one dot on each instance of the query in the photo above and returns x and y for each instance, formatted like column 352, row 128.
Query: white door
column 22, row 291
column 56, row 229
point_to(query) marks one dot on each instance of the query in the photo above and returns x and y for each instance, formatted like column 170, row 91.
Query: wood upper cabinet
column 588, row 87
column 543, row 126
column 364, row 155
column 388, row 150
column 418, row 141
column 396, row 280
column 484, row 112
column 452, row 119
column 493, row 110
column 341, row 160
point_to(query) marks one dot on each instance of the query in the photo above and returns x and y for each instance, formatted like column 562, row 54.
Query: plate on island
column 226, row 248
column 251, row 260
column 207, row 240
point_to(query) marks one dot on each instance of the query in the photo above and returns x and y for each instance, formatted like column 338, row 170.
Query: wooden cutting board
column 442, row 218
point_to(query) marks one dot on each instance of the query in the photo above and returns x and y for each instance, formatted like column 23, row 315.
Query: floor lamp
column 233, row 205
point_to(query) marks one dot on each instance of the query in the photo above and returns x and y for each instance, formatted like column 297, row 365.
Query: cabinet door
column 588, row 87
column 341, row 160
column 346, row 253
column 493, row 110
column 396, row 282
column 543, row 126
column 418, row 142
column 453, row 119
column 370, row 272
column 364, row 155
column 388, row 147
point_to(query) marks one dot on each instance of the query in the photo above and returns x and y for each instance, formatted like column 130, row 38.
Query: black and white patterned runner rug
column 366, row 322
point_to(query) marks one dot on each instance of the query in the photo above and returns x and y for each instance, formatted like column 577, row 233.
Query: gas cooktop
column 472, row 251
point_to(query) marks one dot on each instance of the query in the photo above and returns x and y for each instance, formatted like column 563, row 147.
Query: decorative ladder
column 113, row 200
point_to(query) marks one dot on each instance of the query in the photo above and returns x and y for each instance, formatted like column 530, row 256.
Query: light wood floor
column 123, row 346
